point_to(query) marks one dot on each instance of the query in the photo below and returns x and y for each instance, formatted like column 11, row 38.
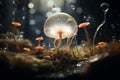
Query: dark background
column 107, row 69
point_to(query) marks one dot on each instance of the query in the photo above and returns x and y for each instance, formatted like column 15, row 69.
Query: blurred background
column 33, row 13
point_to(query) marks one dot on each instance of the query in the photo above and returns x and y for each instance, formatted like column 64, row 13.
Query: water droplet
column 73, row 7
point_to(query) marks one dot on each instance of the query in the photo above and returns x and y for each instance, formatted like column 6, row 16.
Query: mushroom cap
column 39, row 48
column 60, row 23
column 26, row 49
column 84, row 24
column 16, row 24
column 39, row 38
column 102, row 43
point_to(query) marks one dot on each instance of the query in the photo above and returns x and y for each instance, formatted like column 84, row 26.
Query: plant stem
column 98, row 28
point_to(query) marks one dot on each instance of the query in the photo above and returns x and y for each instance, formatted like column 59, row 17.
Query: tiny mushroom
column 39, row 48
column 39, row 39
column 16, row 24
column 26, row 49
column 101, row 45
column 84, row 24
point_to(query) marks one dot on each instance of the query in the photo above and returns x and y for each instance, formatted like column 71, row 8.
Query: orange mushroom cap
column 26, row 49
column 84, row 24
column 39, row 38
column 102, row 43
column 39, row 48
column 99, row 47
column 16, row 24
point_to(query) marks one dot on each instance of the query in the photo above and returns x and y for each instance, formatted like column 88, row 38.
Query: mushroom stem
column 60, row 39
column 69, row 40
column 38, row 42
column 14, row 37
column 88, row 40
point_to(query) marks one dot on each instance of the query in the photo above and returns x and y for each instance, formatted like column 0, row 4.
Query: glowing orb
column 60, row 24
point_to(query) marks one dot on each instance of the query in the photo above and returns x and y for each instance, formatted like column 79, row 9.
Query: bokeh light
column 79, row 10
column 32, row 22
column 32, row 11
column 31, row 5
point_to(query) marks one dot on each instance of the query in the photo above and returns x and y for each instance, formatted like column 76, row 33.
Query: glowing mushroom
column 60, row 26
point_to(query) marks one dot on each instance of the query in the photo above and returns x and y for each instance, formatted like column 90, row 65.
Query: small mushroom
column 102, row 43
column 84, row 25
column 39, row 48
column 16, row 24
column 26, row 49
column 39, row 39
